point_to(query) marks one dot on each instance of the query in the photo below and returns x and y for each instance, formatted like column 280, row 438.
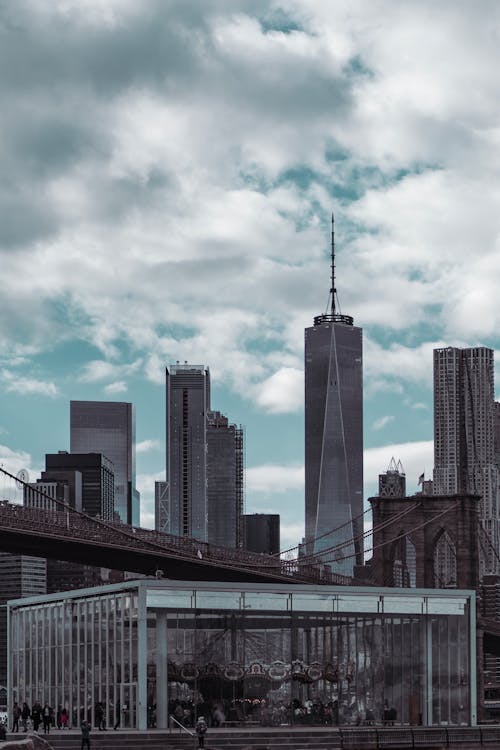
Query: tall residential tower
column 188, row 401
column 334, row 436
column 464, row 436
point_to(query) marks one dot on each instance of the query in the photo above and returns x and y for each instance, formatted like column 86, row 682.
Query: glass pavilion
column 244, row 653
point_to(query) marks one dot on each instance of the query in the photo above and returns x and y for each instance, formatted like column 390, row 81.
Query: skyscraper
column 20, row 576
column 464, row 436
column 334, row 436
column 97, row 480
column 187, row 404
column 224, row 480
column 261, row 533
column 108, row 427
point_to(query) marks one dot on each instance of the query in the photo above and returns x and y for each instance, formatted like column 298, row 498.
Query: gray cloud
column 168, row 169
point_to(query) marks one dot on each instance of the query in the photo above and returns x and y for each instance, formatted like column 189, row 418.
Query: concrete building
column 252, row 648
column 464, row 437
column 261, row 533
column 224, row 480
column 334, row 438
column 97, row 475
column 46, row 495
column 187, row 402
column 108, row 427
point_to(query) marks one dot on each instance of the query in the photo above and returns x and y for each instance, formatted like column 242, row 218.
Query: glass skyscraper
column 224, row 480
column 108, row 427
column 334, row 438
column 187, row 404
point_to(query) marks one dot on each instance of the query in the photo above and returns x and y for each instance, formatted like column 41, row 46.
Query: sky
column 168, row 173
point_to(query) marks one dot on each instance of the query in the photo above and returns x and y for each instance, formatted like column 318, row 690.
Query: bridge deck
column 76, row 537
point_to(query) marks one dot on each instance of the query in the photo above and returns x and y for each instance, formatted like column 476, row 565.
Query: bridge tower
column 432, row 541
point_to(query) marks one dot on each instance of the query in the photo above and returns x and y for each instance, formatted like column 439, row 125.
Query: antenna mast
column 333, row 316
column 333, row 291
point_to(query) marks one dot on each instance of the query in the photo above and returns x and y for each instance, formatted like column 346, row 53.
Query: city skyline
column 169, row 173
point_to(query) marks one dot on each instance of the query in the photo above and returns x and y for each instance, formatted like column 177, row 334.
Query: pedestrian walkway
column 284, row 738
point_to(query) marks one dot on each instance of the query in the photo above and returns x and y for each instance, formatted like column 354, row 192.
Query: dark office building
column 334, row 438
column 187, row 404
column 108, row 427
column 86, row 481
column 261, row 533
column 20, row 576
column 97, row 479
column 224, row 480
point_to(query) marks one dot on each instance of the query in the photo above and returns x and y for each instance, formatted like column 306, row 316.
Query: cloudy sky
column 168, row 170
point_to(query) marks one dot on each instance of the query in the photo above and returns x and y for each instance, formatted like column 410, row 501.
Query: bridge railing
column 70, row 524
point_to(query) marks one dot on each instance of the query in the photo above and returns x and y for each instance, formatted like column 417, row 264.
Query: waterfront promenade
column 286, row 738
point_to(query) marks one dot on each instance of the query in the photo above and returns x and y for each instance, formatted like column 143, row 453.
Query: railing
column 373, row 738
column 69, row 523
column 181, row 726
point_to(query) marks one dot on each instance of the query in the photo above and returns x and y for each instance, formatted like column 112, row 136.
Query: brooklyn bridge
column 62, row 533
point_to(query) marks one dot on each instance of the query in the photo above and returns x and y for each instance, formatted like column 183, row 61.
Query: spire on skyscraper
column 333, row 291
column 333, row 316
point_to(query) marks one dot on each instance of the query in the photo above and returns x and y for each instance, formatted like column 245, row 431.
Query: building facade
column 97, row 479
column 225, row 467
column 46, row 495
column 261, row 533
column 334, row 439
column 263, row 652
column 464, row 437
column 187, row 404
column 162, row 507
column 20, row 576
column 108, row 427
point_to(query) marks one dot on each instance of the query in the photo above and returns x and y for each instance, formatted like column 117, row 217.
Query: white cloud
column 13, row 461
column 282, row 392
column 14, row 382
column 145, row 446
column 274, row 478
column 382, row 422
column 99, row 369
column 118, row 386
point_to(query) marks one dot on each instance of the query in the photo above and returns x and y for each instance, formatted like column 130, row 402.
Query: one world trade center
column 334, row 437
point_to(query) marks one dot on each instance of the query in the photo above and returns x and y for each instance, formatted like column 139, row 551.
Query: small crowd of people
column 38, row 716
column 312, row 712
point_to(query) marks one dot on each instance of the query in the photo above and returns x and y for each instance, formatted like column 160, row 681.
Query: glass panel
column 218, row 600
column 169, row 599
column 313, row 602
column 451, row 606
column 267, row 601
column 403, row 604
column 360, row 603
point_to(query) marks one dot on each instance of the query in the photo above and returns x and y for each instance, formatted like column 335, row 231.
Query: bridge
column 65, row 534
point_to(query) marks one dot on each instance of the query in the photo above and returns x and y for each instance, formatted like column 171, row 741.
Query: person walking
column 100, row 716
column 25, row 715
column 16, row 714
column 36, row 715
column 201, row 730
column 85, row 734
column 46, row 718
